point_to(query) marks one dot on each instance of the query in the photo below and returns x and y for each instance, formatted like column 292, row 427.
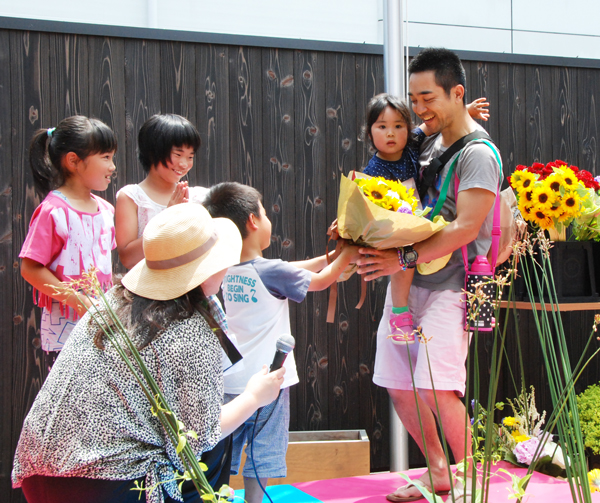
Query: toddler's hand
column 265, row 385
column 180, row 195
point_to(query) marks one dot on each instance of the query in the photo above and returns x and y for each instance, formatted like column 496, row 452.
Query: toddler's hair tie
column 50, row 131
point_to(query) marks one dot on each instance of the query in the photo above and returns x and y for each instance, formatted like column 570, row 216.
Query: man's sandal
column 407, row 499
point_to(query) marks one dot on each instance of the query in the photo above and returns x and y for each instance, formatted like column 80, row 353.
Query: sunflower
column 571, row 203
column 554, row 182
column 594, row 478
column 542, row 196
column 525, row 207
column 569, row 178
column 524, row 181
column 373, row 189
column 541, row 218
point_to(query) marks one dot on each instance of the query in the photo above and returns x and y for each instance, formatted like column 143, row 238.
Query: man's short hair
column 235, row 201
column 160, row 133
column 446, row 66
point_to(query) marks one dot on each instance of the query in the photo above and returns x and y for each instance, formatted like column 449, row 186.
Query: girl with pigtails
column 72, row 229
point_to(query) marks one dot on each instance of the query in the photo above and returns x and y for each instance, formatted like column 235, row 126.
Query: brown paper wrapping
column 367, row 224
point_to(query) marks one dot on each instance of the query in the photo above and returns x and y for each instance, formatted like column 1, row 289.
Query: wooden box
column 321, row 455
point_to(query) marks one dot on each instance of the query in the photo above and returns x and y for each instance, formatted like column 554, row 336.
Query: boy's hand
column 265, row 385
column 333, row 230
column 479, row 109
column 180, row 195
column 350, row 251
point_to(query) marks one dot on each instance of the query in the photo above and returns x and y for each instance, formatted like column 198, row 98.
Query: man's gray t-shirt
column 477, row 167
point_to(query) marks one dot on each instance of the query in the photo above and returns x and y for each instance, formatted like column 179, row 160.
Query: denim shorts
column 270, row 439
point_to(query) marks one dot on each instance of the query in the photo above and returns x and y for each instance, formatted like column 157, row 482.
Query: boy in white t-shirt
column 256, row 294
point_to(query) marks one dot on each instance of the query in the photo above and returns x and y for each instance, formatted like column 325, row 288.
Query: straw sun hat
column 183, row 246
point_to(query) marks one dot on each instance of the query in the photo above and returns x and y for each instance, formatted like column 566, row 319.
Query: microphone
column 285, row 344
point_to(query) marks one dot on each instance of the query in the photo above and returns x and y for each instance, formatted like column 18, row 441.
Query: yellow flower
column 524, row 182
column 525, row 207
column 569, row 178
column 571, row 203
column 594, row 478
column 542, row 196
column 388, row 194
column 509, row 421
column 541, row 218
column 519, row 437
column 554, row 182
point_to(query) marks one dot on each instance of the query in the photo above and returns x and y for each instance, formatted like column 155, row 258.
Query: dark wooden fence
column 283, row 120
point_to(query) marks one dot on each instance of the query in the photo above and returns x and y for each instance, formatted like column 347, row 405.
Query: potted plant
column 589, row 416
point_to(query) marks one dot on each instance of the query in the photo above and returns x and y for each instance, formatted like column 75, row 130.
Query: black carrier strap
column 436, row 165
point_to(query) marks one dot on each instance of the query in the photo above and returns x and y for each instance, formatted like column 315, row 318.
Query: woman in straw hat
column 90, row 434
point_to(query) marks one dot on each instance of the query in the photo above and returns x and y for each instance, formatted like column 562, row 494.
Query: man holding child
column 437, row 92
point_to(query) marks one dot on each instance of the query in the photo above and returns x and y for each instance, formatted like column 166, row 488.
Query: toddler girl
column 390, row 132
column 72, row 229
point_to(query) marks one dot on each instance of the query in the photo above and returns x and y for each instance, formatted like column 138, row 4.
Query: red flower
column 587, row 179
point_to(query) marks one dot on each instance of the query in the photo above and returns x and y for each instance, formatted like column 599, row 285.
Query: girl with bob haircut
column 72, row 229
column 167, row 144
column 90, row 435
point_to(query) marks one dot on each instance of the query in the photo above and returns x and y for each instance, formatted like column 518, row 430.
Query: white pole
column 393, row 66
column 393, row 48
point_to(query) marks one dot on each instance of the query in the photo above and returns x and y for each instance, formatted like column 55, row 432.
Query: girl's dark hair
column 160, row 133
column 376, row 107
column 78, row 134
column 145, row 318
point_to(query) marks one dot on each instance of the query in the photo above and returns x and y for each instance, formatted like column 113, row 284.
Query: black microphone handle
column 278, row 360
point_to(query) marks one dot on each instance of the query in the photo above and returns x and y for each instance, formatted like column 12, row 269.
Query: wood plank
column 212, row 115
column 588, row 113
column 30, row 100
column 178, row 85
column 538, row 113
column 374, row 401
column 564, row 115
column 512, row 120
column 278, row 177
column 69, row 74
column 310, row 410
column 6, row 268
column 107, row 100
column 245, row 112
column 142, row 101
column 484, row 84
column 563, row 307
column 341, row 133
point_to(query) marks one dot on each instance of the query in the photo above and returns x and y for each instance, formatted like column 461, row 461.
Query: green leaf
column 203, row 466
column 192, row 434
column 181, row 444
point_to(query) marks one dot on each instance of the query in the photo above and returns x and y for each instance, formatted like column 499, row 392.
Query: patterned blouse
column 91, row 419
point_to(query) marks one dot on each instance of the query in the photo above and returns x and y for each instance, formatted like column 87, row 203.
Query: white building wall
column 568, row 28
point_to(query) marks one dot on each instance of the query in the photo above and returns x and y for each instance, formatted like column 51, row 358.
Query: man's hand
column 377, row 263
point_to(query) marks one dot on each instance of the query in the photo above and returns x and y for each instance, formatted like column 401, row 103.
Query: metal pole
column 393, row 47
column 393, row 66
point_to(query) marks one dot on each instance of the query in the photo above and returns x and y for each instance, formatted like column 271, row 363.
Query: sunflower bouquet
column 382, row 214
column 551, row 196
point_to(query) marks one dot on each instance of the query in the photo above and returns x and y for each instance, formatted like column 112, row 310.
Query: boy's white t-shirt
column 256, row 297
